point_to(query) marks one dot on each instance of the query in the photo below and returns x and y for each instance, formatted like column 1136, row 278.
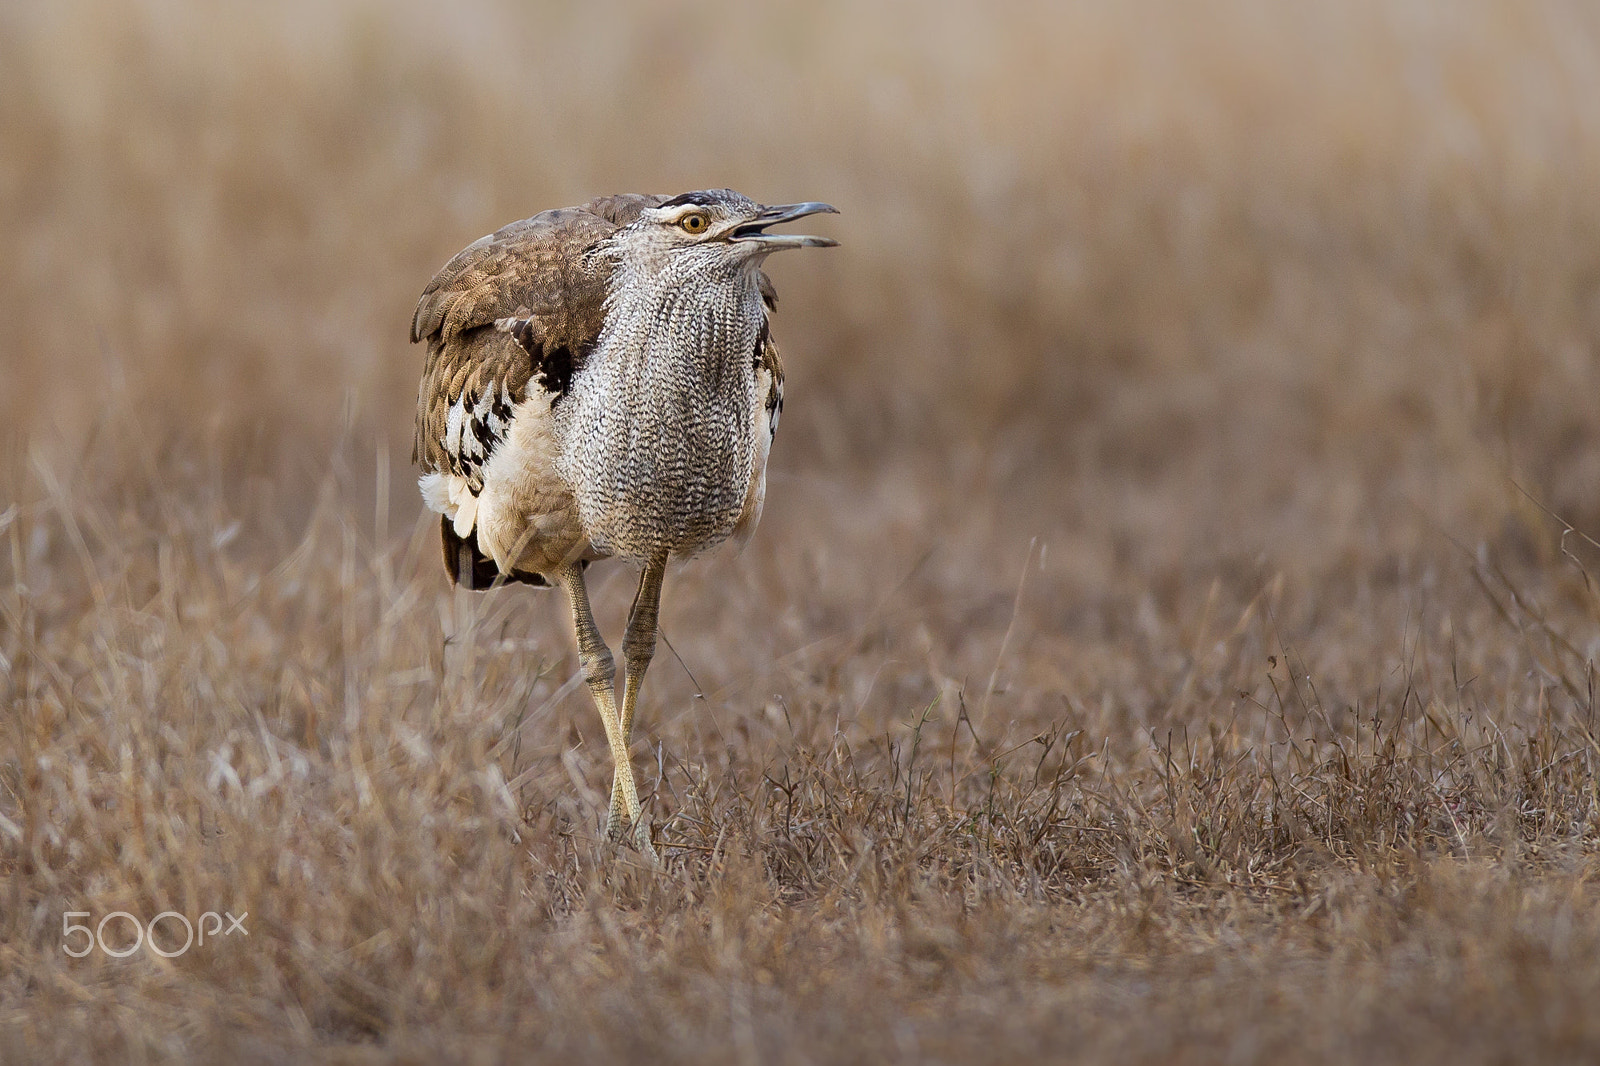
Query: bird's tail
column 469, row 567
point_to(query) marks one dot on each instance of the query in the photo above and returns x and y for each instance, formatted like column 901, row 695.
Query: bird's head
column 713, row 226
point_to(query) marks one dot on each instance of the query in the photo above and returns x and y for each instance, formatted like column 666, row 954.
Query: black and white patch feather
column 477, row 424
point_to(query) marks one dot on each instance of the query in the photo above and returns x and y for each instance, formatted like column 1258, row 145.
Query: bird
column 602, row 382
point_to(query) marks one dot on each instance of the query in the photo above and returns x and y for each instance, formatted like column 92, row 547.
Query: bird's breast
column 659, row 450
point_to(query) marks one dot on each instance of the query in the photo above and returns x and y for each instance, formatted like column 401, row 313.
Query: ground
column 1172, row 632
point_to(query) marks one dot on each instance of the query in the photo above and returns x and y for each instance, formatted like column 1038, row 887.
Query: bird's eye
column 695, row 223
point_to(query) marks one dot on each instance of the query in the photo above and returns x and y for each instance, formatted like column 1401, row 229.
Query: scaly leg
column 638, row 645
column 600, row 671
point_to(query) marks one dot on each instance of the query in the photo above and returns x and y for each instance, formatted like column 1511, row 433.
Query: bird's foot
column 642, row 841
column 616, row 832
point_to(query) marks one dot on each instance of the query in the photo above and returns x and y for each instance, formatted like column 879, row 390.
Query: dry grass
column 1150, row 653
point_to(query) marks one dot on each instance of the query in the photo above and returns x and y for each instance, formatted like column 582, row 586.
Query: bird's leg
column 638, row 645
column 600, row 671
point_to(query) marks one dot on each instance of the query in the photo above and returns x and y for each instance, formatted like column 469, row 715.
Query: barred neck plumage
column 657, row 432
column 694, row 306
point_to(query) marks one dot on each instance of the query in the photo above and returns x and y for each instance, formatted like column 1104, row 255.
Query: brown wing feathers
column 534, row 270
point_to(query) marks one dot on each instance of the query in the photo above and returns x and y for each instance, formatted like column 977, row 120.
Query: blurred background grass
column 1248, row 266
column 1185, row 371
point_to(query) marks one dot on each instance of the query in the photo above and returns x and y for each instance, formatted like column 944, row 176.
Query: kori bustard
column 601, row 382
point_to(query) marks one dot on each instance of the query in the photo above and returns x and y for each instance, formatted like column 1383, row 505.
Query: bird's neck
column 702, row 315
column 658, row 437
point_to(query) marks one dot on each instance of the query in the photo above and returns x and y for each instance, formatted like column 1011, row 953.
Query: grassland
column 1161, row 646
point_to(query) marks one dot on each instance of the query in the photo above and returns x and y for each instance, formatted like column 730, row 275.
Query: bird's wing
column 524, row 303
column 769, row 393
column 769, row 373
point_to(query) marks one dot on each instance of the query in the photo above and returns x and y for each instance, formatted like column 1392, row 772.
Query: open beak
column 754, row 231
